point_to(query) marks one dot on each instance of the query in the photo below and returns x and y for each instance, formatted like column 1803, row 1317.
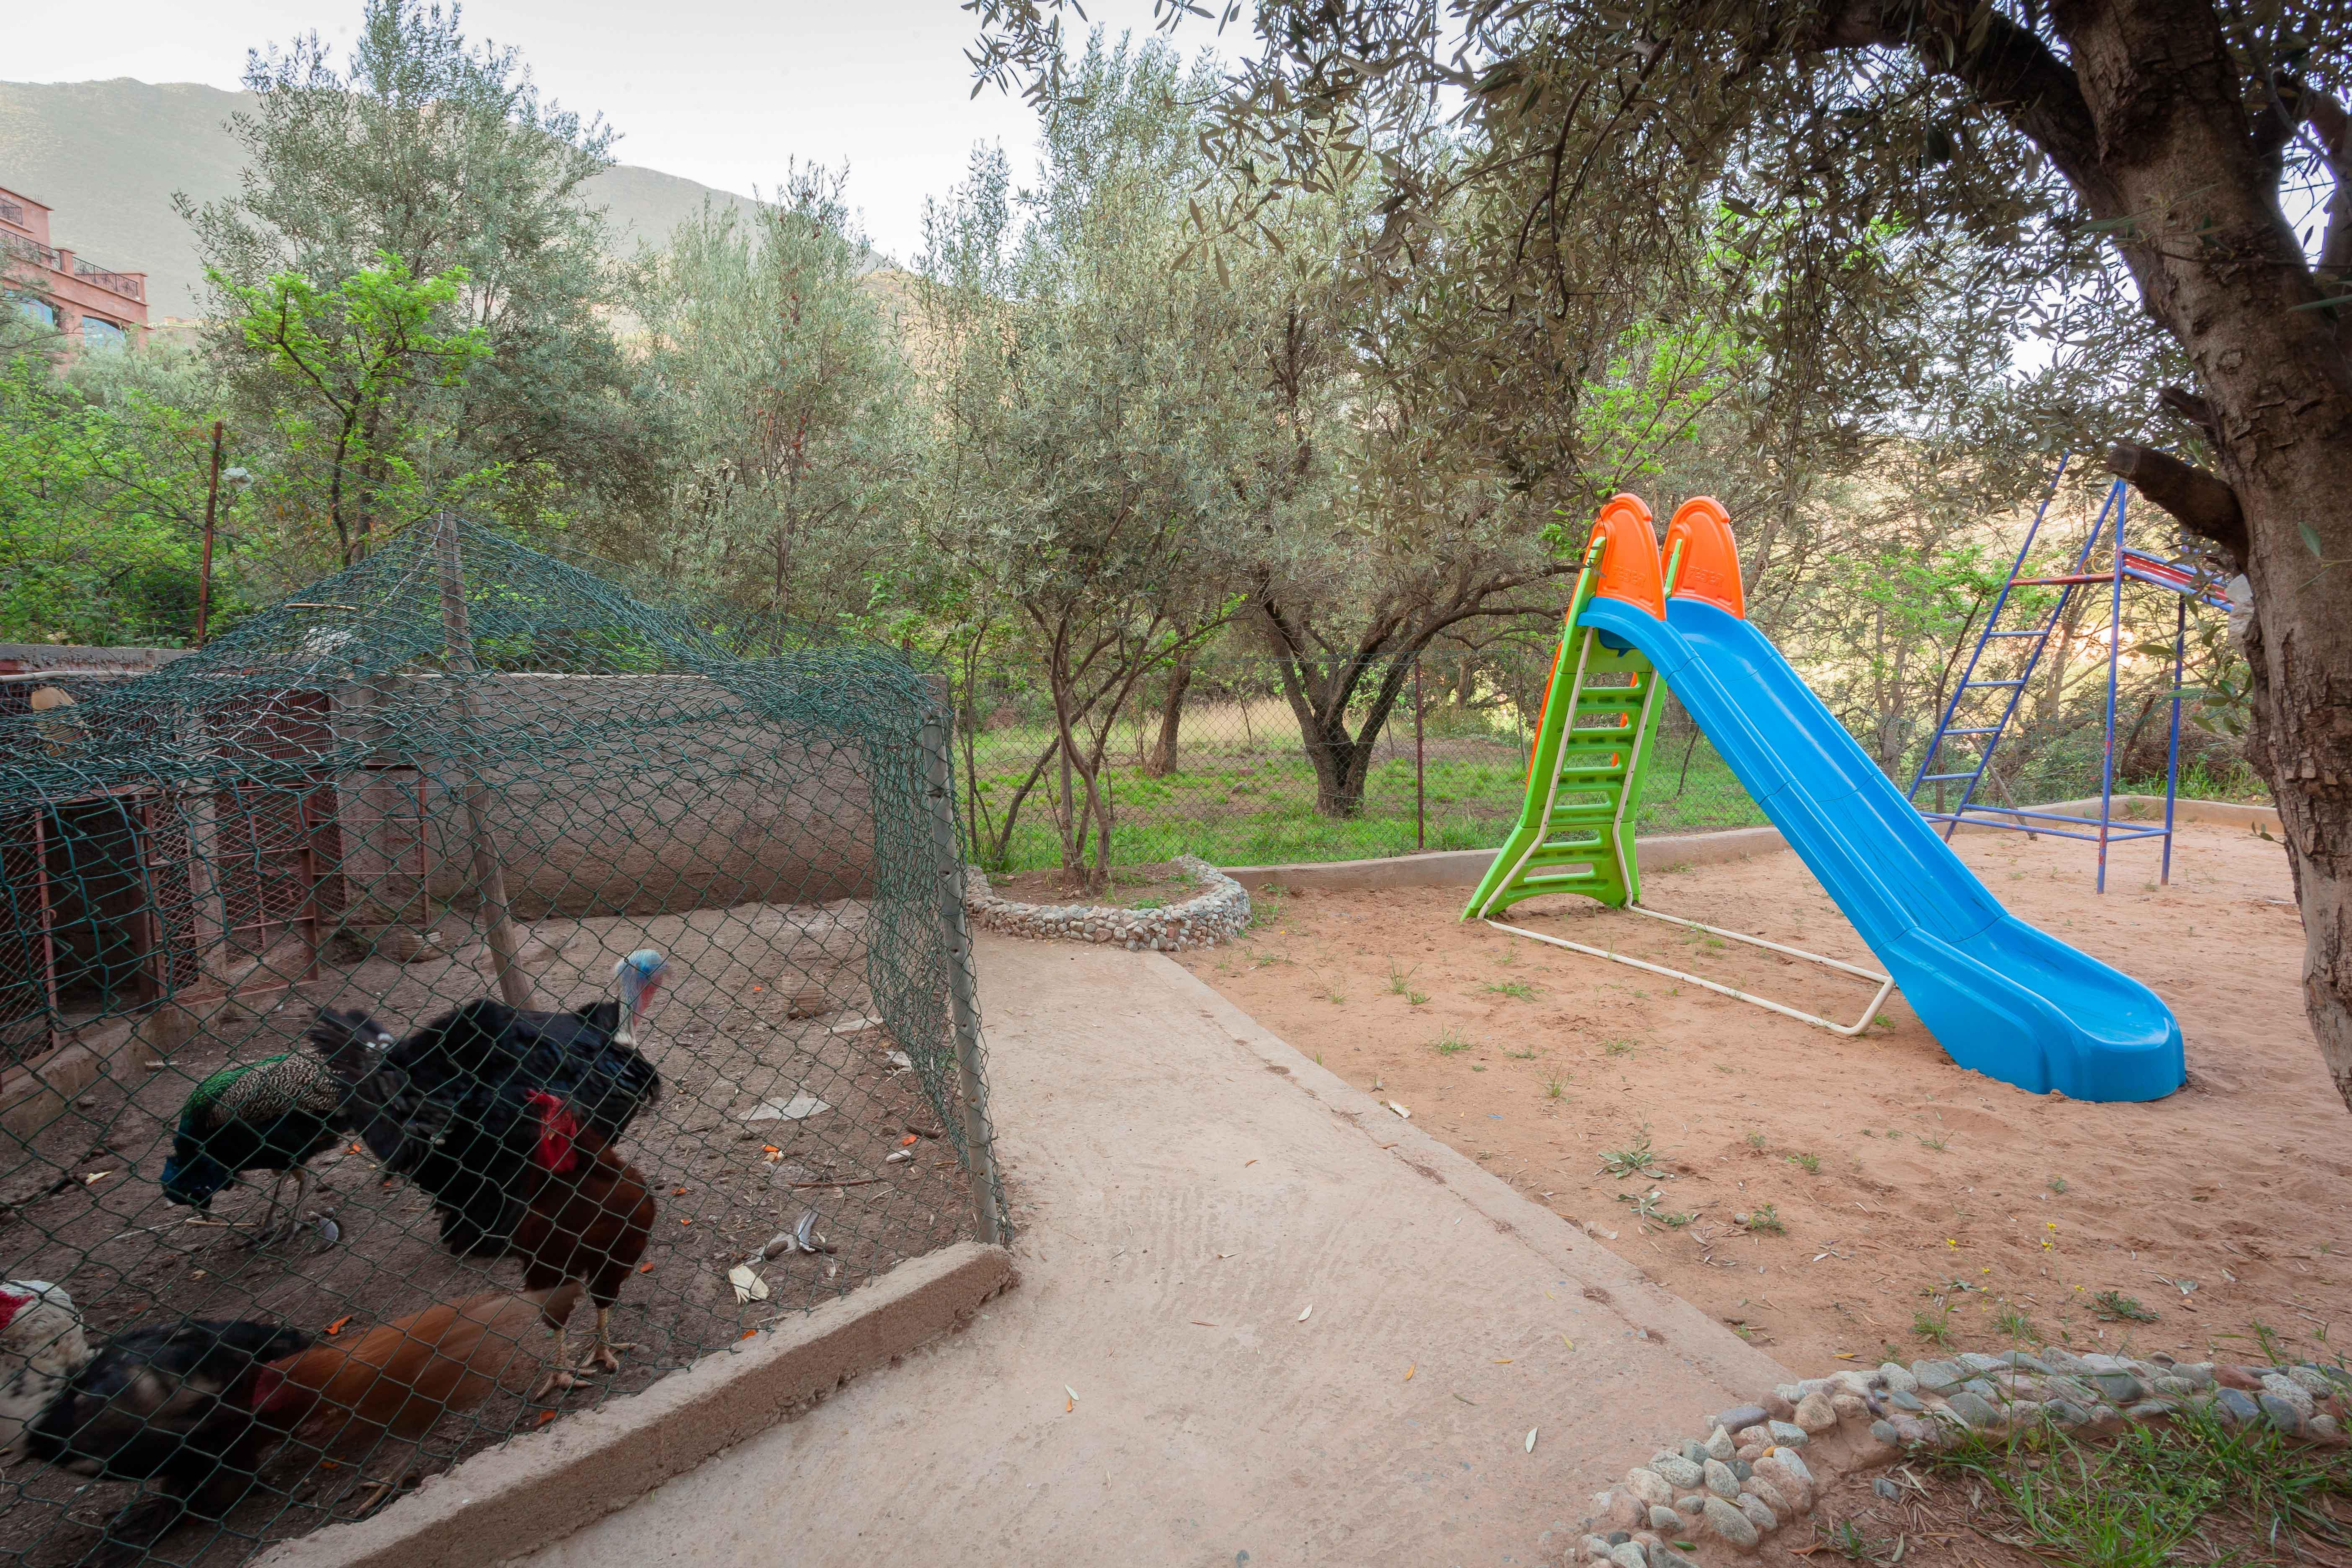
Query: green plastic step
column 1592, row 745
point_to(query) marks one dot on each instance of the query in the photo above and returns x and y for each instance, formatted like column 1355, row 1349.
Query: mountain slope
column 108, row 156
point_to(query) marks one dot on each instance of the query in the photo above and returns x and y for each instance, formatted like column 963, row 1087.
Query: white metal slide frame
column 1886, row 981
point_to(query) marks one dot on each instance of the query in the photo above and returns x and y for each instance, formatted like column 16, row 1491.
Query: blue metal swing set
column 2126, row 566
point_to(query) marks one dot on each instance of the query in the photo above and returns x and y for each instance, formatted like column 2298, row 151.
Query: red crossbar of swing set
column 2144, row 569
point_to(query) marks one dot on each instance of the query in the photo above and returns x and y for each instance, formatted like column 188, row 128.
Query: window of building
column 97, row 332
column 40, row 310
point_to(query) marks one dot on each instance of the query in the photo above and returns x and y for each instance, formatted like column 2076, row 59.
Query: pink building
column 89, row 303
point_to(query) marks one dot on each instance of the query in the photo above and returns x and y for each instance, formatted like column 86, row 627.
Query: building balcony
column 121, row 283
column 30, row 250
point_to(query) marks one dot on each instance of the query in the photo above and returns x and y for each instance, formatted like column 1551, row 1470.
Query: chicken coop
column 457, row 995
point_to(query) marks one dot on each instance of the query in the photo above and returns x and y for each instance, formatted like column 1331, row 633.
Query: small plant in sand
column 1646, row 1210
column 1934, row 1326
column 1619, row 1048
column 2115, row 1307
column 1527, row 1055
column 2058, row 1185
column 1936, row 1144
column 1845, row 1538
column 1764, row 1219
column 1636, row 1159
column 1554, row 1087
column 1756, row 1141
column 1397, row 978
column 1449, row 1044
column 1809, row 1163
column 1515, row 988
column 2010, row 1323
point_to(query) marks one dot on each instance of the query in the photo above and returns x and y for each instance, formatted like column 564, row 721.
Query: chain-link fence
column 1219, row 766
column 459, row 995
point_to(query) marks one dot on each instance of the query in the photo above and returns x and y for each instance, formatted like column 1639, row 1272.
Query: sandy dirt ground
column 1923, row 1205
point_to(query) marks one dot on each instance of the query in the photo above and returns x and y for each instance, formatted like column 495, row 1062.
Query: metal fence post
column 1420, row 816
column 963, row 1000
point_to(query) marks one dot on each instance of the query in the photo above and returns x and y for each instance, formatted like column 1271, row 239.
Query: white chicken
column 41, row 1347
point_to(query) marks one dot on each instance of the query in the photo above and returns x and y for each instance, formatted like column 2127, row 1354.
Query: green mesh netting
column 668, row 1003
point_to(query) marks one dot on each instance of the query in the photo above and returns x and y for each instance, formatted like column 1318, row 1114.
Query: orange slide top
column 1629, row 555
column 1710, row 568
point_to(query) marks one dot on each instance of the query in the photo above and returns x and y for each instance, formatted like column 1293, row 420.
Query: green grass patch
column 2190, row 1489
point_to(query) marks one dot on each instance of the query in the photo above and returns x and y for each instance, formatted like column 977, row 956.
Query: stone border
column 1219, row 914
column 1463, row 867
column 1746, row 1478
column 538, row 1487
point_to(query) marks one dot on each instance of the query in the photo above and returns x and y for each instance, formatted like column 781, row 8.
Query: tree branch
column 2010, row 71
column 2186, row 404
column 2206, row 506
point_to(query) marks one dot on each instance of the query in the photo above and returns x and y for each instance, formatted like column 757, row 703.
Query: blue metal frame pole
column 2032, row 663
column 1992, row 618
column 2115, row 655
column 2172, row 746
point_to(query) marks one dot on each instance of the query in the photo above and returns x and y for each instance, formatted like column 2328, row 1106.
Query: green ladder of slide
column 1592, row 748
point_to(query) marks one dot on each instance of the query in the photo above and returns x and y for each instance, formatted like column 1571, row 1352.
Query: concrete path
column 1187, row 1186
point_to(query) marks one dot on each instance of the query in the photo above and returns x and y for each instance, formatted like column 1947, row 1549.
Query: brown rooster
column 586, row 1216
column 398, row 1379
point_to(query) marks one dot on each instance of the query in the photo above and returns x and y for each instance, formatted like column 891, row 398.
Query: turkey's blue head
column 641, row 975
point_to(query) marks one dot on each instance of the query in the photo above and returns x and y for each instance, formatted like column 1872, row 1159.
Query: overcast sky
column 723, row 91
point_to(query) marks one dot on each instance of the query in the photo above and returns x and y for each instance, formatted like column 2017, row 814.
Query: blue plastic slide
column 2002, row 997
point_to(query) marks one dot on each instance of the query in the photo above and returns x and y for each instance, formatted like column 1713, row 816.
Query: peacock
column 274, row 1114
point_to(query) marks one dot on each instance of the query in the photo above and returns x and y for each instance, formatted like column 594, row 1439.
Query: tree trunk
column 1160, row 759
column 1319, row 700
column 2147, row 117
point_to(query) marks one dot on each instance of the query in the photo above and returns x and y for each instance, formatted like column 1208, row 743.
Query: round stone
column 1677, row 1470
column 1649, row 1486
column 1815, row 1414
column 1721, row 1480
column 1665, row 1519
column 2280, row 1386
column 1774, row 1497
column 1629, row 1555
column 1788, row 1434
column 1732, row 1525
column 1741, row 1416
column 2282, row 1414
column 1794, row 1487
column 1720, row 1444
column 1694, row 1451
column 1761, row 1517
column 1691, row 1506
column 1977, row 1411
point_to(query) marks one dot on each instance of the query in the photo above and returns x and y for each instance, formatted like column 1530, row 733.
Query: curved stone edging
column 1218, row 914
column 1745, row 1478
